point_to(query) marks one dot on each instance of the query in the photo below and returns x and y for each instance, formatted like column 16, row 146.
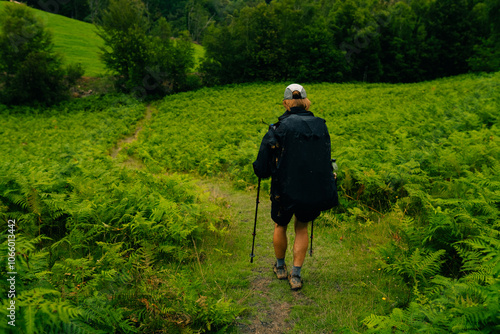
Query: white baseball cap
column 294, row 87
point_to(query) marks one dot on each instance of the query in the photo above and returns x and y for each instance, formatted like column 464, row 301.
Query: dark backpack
column 302, row 170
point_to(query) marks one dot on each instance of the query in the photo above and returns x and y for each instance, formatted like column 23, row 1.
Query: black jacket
column 296, row 152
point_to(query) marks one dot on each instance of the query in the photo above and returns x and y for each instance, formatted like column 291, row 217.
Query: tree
column 124, row 28
column 356, row 31
column 224, row 60
column 198, row 18
column 486, row 55
column 449, row 40
column 401, row 40
column 30, row 71
column 96, row 8
column 140, row 52
column 280, row 41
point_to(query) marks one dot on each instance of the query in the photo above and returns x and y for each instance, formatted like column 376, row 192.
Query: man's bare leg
column 280, row 244
column 301, row 243
column 299, row 254
column 280, row 241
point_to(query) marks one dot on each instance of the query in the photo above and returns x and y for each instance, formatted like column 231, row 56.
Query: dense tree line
column 306, row 40
column 192, row 15
column 364, row 40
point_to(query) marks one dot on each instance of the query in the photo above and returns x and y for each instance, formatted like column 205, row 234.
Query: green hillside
column 77, row 41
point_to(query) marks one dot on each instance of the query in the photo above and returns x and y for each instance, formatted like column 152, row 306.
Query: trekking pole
column 312, row 229
column 255, row 221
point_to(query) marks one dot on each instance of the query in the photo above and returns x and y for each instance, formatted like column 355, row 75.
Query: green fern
column 41, row 310
column 399, row 321
column 418, row 267
column 78, row 326
column 99, row 313
column 468, row 305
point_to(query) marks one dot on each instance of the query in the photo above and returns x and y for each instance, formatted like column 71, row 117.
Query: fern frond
column 42, row 310
column 488, row 246
column 77, row 326
column 399, row 321
column 419, row 266
column 97, row 310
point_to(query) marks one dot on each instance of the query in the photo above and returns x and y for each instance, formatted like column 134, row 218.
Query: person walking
column 296, row 154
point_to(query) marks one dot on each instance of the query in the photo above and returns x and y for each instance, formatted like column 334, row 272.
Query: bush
column 30, row 71
column 73, row 73
column 142, row 54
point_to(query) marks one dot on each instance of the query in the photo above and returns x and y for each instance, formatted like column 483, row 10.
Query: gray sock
column 296, row 271
column 280, row 262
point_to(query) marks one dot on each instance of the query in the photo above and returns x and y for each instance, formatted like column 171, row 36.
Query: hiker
column 296, row 154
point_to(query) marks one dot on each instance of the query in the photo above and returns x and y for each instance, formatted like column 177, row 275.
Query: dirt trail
column 270, row 314
column 127, row 140
column 270, row 310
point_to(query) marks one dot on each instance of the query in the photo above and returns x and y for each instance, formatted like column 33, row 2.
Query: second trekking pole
column 255, row 221
column 312, row 236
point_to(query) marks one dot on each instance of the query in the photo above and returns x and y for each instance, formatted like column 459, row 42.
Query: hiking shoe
column 295, row 282
column 281, row 272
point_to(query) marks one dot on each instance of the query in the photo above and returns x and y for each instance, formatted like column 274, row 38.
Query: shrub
column 146, row 60
column 30, row 71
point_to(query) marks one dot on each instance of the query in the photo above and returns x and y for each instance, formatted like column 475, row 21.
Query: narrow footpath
column 267, row 311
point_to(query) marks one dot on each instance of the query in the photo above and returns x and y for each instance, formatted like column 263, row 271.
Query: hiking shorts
column 282, row 217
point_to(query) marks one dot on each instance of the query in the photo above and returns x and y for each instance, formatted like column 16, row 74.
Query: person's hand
column 335, row 175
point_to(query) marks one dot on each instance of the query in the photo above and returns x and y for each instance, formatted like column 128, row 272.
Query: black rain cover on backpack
column 303, row 177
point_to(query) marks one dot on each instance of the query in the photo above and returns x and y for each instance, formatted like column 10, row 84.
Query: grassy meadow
column 138, row 218
column 77, row 41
